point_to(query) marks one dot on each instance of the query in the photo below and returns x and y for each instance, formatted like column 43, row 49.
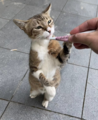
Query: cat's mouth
column 49, row 36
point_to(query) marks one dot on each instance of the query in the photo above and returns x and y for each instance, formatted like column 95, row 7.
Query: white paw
column 32, row 96
column 45, row 103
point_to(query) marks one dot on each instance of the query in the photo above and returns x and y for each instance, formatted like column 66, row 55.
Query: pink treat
column 63, row 38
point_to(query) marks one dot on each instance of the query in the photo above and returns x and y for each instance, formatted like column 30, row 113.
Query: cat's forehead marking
column 40, row 19
column 33, row 22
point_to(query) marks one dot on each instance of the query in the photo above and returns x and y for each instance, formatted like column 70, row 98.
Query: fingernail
column 70, row 38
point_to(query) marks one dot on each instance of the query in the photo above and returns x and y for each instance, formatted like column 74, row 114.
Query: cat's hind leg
column 34, row 93
column 49, row 95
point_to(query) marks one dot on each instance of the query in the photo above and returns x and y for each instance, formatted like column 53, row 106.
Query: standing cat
column 46, row 56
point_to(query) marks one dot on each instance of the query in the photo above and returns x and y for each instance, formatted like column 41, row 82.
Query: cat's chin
column 48, row 37
column 44, row 37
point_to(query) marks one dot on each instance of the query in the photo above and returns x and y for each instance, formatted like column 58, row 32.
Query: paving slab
column 66, row 22
column 91, row 99
column 56, row 4
column 13, row 66
column 3, row 105
column 4, row 4
column 90, row 1
column 80, row 8
column 3, row 22
column 97, row 13
column 94, row 59
column 80, row 57
column 9, row 9
column 30, row 113
column 69, row 97
column 13, row 37
column 29, row 11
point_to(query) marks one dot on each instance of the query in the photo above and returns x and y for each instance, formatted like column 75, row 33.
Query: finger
column 87, row 25
column 80, row 38
column 79, row 44
column 81, row 47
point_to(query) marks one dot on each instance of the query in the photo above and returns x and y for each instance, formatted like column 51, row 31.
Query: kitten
column 46, row 56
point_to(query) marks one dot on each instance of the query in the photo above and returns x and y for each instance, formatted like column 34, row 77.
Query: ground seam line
column 46, row 110
column 86, row 86
column 85, row 2
column 12, row 17
column 61, row 10
column 77, row 65
column 12, row 96
column 19, row 84
column 13, row 51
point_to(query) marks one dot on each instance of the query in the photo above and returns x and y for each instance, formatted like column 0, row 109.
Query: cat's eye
column 49, row 21
column 38, row 27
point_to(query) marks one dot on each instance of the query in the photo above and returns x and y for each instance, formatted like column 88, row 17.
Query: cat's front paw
column 51, row 51
column 41, row 76
column 67, row 47
column 43, row 80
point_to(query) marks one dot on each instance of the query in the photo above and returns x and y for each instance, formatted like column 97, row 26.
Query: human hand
column 86, row 40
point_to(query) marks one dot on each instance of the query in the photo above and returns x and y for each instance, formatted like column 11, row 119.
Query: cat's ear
column 48, row 9
column 20, row 23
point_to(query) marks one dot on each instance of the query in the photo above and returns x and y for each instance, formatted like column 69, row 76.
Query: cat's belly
column 49, row 66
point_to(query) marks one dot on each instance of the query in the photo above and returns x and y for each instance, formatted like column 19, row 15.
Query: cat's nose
column 49, row 31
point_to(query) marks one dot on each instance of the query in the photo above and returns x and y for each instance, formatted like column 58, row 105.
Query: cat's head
column 40, row 26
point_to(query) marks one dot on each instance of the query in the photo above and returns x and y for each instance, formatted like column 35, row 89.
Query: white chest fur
column 48, row 63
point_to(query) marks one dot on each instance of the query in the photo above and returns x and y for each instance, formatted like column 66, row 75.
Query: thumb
column 82, row 38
